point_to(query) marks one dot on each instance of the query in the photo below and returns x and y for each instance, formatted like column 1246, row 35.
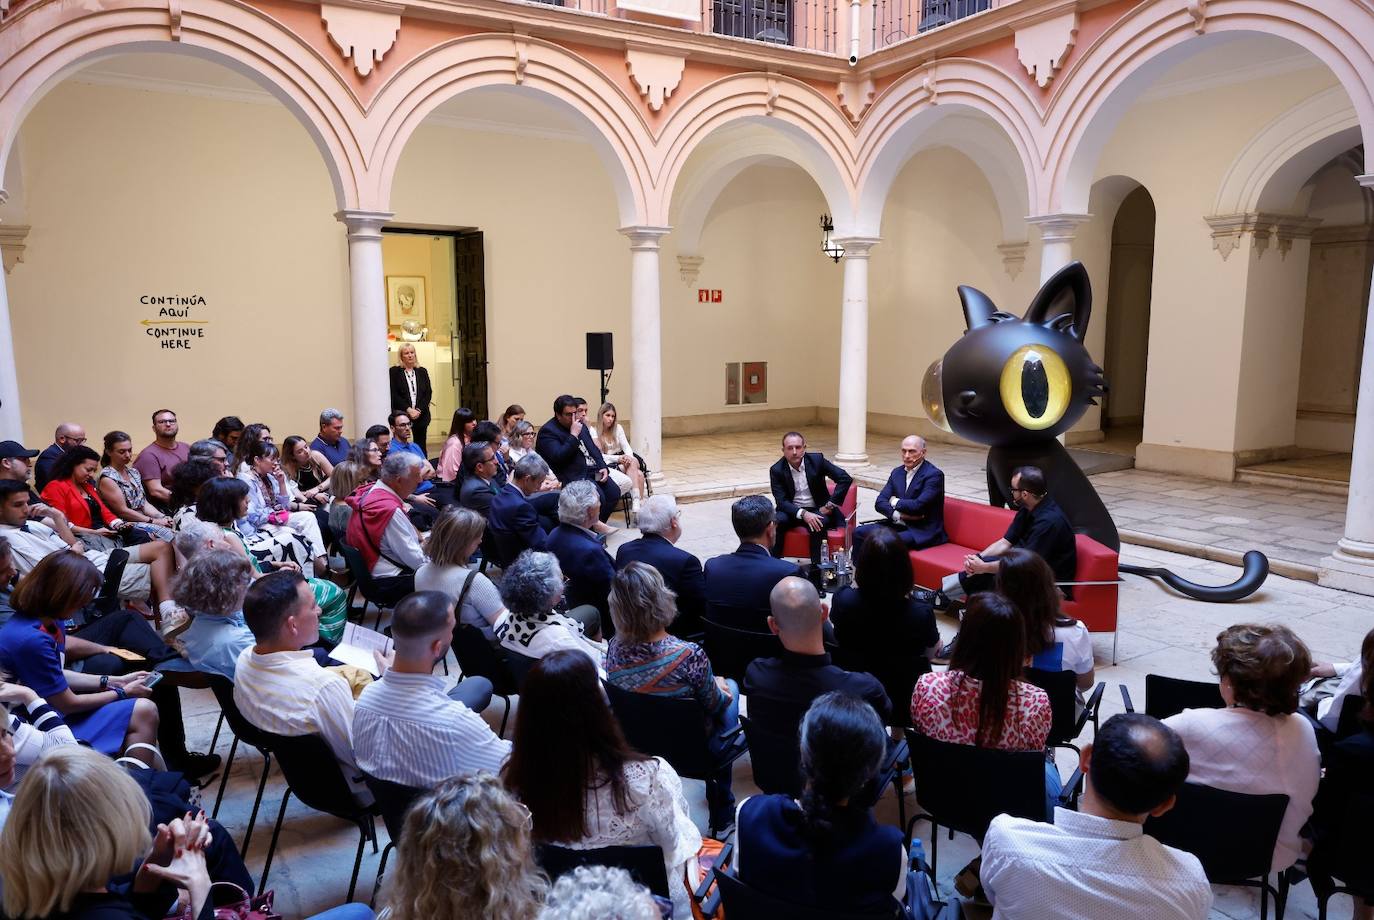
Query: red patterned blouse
column 944, row 706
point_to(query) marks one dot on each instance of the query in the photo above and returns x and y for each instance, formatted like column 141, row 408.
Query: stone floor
column 1161, row 633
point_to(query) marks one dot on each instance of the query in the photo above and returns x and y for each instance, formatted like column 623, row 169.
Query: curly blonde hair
column 465, row 852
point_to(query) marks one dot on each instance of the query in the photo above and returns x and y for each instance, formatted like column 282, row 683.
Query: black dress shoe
column 195, row 766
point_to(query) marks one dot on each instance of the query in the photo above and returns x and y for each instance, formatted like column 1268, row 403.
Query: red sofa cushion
column 794, row 542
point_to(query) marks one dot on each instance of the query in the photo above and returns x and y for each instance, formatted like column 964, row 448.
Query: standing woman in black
column 411, row 393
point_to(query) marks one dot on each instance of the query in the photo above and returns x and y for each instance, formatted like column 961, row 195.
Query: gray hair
column 399, row 464
column 531, row 466
column 656, row 513
column 641, row 604
column 520, row 428
column 531, row 583
column 330, row 415
column 576, row 499
column 195, row 536
column 206, row 447
column 213, row 583
column 604, row 892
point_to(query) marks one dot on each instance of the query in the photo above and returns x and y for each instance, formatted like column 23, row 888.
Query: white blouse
column 622, row 444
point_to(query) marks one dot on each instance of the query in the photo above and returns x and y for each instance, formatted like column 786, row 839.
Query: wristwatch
column 104, row 681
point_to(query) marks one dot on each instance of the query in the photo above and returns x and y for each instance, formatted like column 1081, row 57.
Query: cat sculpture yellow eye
column 1035, row 387
column 933, row 397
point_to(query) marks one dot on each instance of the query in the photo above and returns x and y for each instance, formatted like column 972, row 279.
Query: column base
column 851, row 461
column 1350, row 567
column 658, row 482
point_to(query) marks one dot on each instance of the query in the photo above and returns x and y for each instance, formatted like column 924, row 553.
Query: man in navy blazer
column 514, row 523
column 912, row 501
column 581, row 554
column 802, row 495
column 567, row 446
column 659, row 523
column 738, row 583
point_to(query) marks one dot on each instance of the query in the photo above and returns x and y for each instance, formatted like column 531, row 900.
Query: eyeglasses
column 402, row 425
column 165, row 421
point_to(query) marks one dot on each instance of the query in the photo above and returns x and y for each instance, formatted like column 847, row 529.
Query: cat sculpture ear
column 1065, row 302
column 978, row 309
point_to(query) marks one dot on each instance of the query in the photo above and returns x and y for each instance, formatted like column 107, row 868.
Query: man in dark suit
column 802, row 495
column 738, row 583
column 67, row 436
column 659, row 523
column 479, row 478
column 581, row 554
column 567, row 445
column 912, row 501
column 516, row 525
column 411, row 393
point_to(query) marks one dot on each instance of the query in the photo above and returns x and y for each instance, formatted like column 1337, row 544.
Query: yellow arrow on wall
column 174, row 322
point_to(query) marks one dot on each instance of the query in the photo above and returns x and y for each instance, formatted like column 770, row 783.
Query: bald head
column 913, row 450
column 797, row 615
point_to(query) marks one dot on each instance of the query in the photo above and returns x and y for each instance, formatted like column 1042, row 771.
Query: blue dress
column 33, row 653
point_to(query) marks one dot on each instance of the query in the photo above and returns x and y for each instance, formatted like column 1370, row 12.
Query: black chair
column 1168, row 696
column 674, row 730
column 744, row 903
column 316, row 778
column 731, row 650
column 519, row 666
column 248, row 733
column 1339, row 862
column 505, row 546
column 1231, row 833
column 963, row 787
column 1348, row 722
column 1066, row 721
column 362, row 584
column 477, row 658
column 393, row 801
column 644, row 863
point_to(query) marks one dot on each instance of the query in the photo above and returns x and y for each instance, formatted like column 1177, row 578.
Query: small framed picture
column 405, row 299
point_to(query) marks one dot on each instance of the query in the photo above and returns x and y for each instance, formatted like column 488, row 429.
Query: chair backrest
column 1061, row 687
column 519, row 666
column 644, row 863
column 314, row 775
column 731, row 650
column 964, row 787
column 223, row 689
column 357, row 567
column 477, row 658
column 773, row 756
column 672, row 729
column 393, row 801
column 503, row 545
column 744, row 903
column 1168, row 696
column 1348, row 722
column 1231, row 833
column 1341, row 850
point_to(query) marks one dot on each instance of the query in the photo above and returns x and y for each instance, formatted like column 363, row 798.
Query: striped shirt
column 407, row 730
column 44, row 729
column 287, row 693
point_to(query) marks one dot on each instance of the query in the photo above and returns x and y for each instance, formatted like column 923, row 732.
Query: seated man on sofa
column 912, row 501
column 798, row 482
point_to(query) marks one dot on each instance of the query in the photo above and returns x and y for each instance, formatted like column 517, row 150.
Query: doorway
column 1128, row 322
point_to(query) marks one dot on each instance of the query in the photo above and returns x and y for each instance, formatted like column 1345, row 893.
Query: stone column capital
column 689, row 267
column 364, row 224
column 1058, row 228
column 1366, row 180
column 645, row 238
column 857, row 247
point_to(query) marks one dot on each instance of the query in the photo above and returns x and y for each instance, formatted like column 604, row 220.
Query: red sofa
column 795, row 543
column 972, row 526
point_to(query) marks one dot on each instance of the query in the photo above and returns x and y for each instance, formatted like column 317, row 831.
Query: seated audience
column 227, row 431
column 479, row 478
column 522, row 439
column 15, row 463
column 187, row 478
column 1097, row 861
column 738, row 584
column 880, row 626
column 531, row 589
column 406, row 729
column 80, row 820
column 388, row 542
column 580, row 552
column 1054, row 642
column 305, row 470
column 330, row 442
column 277, row 684
column 619, row 456
column 271, row 507
column 566, row 445
column 912, row 501
column 405, row 437
column 798, row 483
column 72, row 491
column 517, row 523
column 1350, row 675
column 459, row 436
column 210, row 587
column 465, row 851
column 156, row 461
column 644, row 658
column 452, row 542
column 604, row 792
column 804, row 671
column 254, row 434
column 1258, row 744
column 67, row 436
column 120, row 488
column 604, row 892
column 660, row 522
column 485, row 432
column 209, row 449
column 826, row 850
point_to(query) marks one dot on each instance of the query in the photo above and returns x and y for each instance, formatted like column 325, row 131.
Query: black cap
column 11, row 449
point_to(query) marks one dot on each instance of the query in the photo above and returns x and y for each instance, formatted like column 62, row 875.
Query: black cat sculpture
column 1017, row 384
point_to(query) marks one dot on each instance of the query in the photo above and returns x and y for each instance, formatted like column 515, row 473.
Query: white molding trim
column 1257, row 71
column 12, row 244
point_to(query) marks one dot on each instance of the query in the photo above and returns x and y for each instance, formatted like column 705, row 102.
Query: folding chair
column 1066, row 721
column 644, row 863
column 1168, row 696
column 393, row 801
column 1339, row 862
column 741, row 902
column 731, row 650
column 248, row 733
column 362, row 584
column 477, row 657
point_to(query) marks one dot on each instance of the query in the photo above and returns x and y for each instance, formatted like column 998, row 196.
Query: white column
column 367, row 296
column 646, row 349
column 1056, row 240
column 853, row 427
column 11, row 424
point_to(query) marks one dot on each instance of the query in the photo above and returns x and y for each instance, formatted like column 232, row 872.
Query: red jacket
column 372, row 511
column 63, row 495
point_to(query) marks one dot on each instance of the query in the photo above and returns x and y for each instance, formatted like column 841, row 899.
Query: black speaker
column 600, row 355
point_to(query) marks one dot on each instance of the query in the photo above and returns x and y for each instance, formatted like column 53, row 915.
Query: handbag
column 240, row 905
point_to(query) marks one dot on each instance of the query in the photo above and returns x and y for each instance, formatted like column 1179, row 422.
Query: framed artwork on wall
column 405, row 299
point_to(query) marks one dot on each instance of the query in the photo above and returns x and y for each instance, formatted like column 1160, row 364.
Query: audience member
column 254, row 434
column 1097, row 861
column 305, row 470
column 71, row 490
column 330, row 442
column 738, row 584
column 912, row 501
column 1350, row 677
column 7, row 574
column 41, row 729
column 227, row 431
column 216, row 452
column 619, row 456
column 522, row 440
column 516, row 521
column 803, row 499
column 660, row 523
column 826, row 851
column 513, row 416
column 452, row 542
column 155, row 462
column 15, row 462
column 411, row 392
column 645, row 659
column 211, row 587
column 567, row 446
column 187, row 478
column 404, row 437
column 605, row 793
column 485, row 432
column 604, row 892
column 120, row 488
column 479, row 478
column 1257, row 744
column 271, row 508
column 277, row 684
column 368, row 454
column 345, row 479
column 459, row 436
column 464, row 851
column 580, row 551
column 406, row 729
column 388, row 542
column 67, row 436
column 1054, row 642
column 531, row 589
column 881, row 627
